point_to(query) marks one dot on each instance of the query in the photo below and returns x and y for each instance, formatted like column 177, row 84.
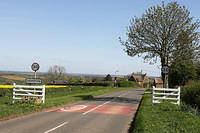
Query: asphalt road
column 110, row 113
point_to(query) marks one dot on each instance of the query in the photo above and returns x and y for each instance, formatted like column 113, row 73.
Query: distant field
column 12, row 77
column 47, row 86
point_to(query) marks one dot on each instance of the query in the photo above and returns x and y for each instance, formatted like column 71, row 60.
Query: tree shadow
column 141, row 90
column 85, row 97
column 116, row 99
column 113, row 99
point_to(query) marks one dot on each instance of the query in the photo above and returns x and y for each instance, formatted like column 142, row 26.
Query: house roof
column 158, row 80
column 138, row 77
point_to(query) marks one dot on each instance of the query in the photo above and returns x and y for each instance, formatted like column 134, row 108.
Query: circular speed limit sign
column 35, row 66
column 165, row 69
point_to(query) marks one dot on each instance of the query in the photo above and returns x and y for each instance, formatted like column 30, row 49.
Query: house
column 141, row 79
column 158, row 82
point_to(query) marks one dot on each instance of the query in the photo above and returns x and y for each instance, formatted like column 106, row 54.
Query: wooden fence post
column 179, row 93
column 153, row 94
column 14, row 93
column 43, row 94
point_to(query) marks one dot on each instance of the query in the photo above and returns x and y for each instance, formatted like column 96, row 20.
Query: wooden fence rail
column 159, row 94
column 19, row 91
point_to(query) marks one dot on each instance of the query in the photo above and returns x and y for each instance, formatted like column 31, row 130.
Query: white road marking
column 83, row 114
column 56, row 127
column 95, row 108
column 73, row 108
column 101, row 105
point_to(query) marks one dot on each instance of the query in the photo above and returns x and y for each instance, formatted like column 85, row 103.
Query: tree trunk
column 164, row 76
column 162, row 64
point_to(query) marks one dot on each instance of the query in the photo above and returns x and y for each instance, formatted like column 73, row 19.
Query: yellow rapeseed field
column 55, row 86
column 47, row 86
column 6, row 86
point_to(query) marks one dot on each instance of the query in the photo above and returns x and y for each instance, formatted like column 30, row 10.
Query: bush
column 5, row 92
column 191, row 94
column 127, row 84
column 103, row 83
column 180, row 73
column 108, row 78
column 146, row 85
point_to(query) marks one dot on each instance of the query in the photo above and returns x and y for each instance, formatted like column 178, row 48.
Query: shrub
column 102, row 83
column 108, row 78
column 180, row 73
column 127, row 84
column 5, row 92
column 146, row 85
column 191, row 94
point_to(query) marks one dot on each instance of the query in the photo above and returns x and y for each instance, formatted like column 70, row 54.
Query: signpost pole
column 35, row 67
column 165, row 82
column 35, row 78
column 35, row 74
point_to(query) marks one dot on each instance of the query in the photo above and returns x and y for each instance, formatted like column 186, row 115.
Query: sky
column 81, row 35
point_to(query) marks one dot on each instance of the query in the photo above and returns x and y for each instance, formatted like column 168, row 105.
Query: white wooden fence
column 21, row 91
column 165, row 94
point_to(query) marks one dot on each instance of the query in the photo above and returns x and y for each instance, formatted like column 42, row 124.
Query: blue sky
column 81, row 35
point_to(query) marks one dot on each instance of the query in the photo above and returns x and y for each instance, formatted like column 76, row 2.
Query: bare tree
column 56, row 73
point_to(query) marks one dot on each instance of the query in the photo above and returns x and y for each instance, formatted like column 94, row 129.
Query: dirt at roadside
column 11, row 77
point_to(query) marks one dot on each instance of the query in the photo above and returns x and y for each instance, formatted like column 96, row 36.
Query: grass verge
column 54, row 97
column 165, row 118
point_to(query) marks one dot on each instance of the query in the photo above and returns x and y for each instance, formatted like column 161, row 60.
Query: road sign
column 35, row 66
column 165, row 69
column 33, row 81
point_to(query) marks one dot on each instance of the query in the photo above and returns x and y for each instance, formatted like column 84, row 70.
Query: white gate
column 19, row 91
column 165, row 94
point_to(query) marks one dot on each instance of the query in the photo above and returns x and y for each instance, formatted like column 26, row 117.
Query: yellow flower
column 6, row 86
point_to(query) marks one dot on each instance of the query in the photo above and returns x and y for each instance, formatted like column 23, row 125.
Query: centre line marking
column 56, row 127
column 95, row 108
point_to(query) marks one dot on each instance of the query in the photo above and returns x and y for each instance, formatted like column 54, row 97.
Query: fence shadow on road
column 113, row 99
column 84, row 97
column 116, row 99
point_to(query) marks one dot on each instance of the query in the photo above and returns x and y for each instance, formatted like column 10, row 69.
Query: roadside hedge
column 103, row 83
column 127, row 84
column 5, row 92
column 191, row 94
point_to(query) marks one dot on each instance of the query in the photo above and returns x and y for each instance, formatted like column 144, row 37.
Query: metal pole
column 35, row 78
column 165, row 82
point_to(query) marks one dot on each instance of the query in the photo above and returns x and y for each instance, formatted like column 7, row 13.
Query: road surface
column 109, row 113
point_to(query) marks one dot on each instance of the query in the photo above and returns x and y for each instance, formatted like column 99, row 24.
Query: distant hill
column 69, row 74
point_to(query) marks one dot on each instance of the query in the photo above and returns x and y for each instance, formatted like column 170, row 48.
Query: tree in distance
column 108, row 78
column 56, row 73
column 156, row 35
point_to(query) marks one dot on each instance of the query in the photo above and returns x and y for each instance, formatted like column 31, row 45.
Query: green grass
column 165, row 118
column 54, row 97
